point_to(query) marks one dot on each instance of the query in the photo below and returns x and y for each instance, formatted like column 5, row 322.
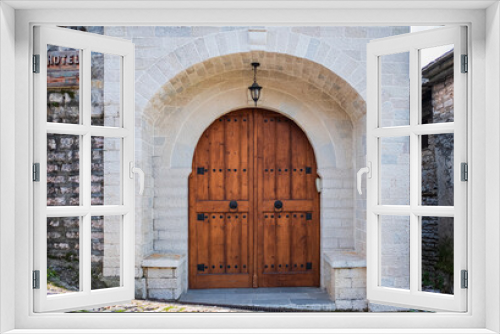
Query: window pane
column 63, row 85
column 106, row 251
column 437, row 169
column 436, row 66
column 395, row 251
column 437, row 254
column 63, row 170
column 63, row 260
column 395, row 171
column 106, row 171
column 394, row 90
column 106, row 89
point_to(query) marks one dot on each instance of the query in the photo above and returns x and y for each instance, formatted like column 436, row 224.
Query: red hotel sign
column 63, row 69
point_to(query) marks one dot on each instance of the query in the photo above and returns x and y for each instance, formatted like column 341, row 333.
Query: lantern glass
column 255, row 91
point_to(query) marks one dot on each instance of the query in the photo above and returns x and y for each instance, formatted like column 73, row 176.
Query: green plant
column 444, row 266
column 52, row 274
column 445, row 253
column 426, row 280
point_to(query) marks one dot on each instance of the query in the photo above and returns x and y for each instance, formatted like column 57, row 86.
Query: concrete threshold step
column 267, row 306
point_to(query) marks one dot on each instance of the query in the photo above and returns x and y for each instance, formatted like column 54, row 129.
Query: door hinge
column 201, row 216
column 308, row 170
column 309, row 265
column 36, row 172
column 465, row 279
column 200, row 170
column 309, row 216
column 201, row 267
column 36, row 63
column 36, row 279
column 465, row 63
column 464, row 171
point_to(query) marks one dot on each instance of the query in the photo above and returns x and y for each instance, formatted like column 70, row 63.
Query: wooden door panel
column 255, row 158
column 288, row 238
column 283, row 238
column 219, row 243
column 268, row 228
column 299, row 242
column 217, row 264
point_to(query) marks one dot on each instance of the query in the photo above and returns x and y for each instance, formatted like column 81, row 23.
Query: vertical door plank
column 202, row 160
column 232, row 144
column 202, row 242
column 299, row 242
column 217, row 161
column 283, row 158
column 233, row 245
column 299, row 162
column 244, row 141
column 258, row 184
column 269, row 242
column 268, row 153
column 312, row 225
column 217, row 243
column 244, row 233
column 283, row 241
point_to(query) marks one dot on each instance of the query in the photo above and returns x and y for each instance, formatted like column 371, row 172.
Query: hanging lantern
column 255, row 88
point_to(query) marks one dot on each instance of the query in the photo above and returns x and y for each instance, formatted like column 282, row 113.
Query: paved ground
column 227, row 300
column 265, row 299
column 140, row 306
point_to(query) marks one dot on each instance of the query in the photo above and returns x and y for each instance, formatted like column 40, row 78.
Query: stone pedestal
column 345, row 279
column 163, row 275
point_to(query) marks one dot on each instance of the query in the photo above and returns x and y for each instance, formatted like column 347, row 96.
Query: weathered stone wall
column 437, row 176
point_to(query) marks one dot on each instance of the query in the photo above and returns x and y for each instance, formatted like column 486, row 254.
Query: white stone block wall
column 112, row 248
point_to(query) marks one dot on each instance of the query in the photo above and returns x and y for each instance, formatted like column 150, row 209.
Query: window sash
column 413, row 297
column 86, row 297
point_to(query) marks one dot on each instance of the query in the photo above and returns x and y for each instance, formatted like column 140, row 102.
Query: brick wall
column 63, row 171
column 437, row 176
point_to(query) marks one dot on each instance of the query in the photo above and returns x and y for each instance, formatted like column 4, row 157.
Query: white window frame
column 412, row 44
column 484, row 102
column 86, row 43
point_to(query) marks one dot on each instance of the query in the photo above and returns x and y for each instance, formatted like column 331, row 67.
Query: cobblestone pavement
column 147, row 305
column 157, row 306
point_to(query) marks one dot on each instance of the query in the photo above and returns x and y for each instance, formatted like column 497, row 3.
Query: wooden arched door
column 253, row 204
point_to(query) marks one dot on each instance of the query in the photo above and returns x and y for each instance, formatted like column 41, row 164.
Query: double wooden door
column 253, row 204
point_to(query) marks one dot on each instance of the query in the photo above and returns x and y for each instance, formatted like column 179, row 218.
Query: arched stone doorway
column 253, row 204
column 177, row 122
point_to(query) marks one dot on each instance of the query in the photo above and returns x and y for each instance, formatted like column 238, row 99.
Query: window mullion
column 85, row 254
column 414, row 169
column 86, row 168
